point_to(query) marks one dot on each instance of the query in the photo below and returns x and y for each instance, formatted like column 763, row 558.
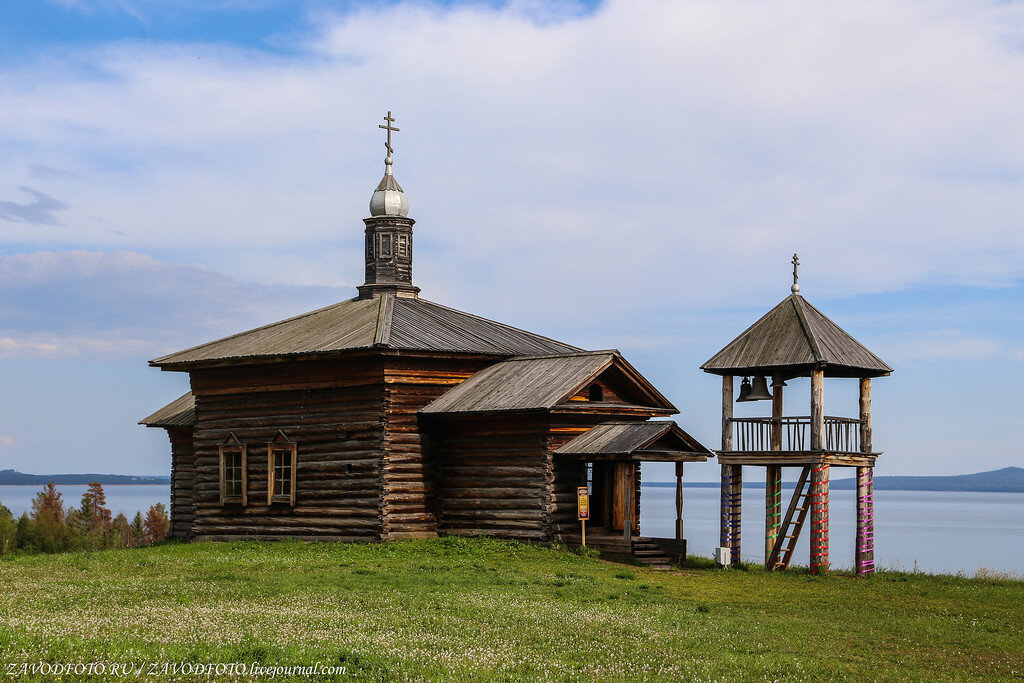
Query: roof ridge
column 568, row 354
column 493, row 322
column 255, row 329
column 837, row 326
column 811, row 337
column 385, row 312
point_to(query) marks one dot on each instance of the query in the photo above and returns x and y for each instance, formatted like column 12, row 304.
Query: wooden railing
column 841, row 434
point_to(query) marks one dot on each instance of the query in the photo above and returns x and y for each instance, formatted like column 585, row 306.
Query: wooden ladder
column 789, row 532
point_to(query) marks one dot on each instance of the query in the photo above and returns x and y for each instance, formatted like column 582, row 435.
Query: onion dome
column 389, row 199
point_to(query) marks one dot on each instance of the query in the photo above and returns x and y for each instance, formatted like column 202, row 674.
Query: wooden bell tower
column 794, row 340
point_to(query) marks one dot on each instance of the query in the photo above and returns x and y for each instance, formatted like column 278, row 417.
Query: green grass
column 470, row 609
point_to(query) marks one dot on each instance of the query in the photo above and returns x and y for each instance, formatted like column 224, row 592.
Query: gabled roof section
column 181, row 412
column 386, row 321
column 540, row 382
column 663, row 439
column 791, row 339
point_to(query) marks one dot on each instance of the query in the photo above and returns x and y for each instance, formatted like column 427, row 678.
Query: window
column 596, row 392
column 403, row 246
column 281, row 470
column 232, row 472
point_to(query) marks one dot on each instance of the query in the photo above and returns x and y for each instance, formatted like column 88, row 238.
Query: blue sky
column 621, row 174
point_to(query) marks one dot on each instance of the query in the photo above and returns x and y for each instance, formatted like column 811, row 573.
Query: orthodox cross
column 795, row 262
column 389, row 128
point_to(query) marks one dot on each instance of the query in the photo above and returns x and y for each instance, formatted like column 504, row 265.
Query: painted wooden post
column 864, row 558
column 627, row 507
column 679, row 501
column 735, row 511
column 773, row 477
column 817, row 409
column 819, row 518
column 725, row 538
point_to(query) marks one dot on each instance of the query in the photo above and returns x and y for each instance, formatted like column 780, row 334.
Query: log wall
column 182, row 481
column 332, row 411
column 494, row 476
column 410, row 484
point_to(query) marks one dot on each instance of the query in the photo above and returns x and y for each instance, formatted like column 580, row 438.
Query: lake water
column 935, row 531
column 128, row 499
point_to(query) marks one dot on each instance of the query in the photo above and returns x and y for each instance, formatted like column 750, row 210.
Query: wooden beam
column 864, row 558
column 817, row 409
column 735, row 511
column 819, row 519
column 727, row 385
column 679, row 501
column 865, row 414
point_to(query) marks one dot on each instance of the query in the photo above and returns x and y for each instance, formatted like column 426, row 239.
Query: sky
column 630, row 174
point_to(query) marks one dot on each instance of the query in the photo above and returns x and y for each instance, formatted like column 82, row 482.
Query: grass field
column 468, row 609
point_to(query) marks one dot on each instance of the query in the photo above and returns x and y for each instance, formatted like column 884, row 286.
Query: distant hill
column 14, row 478
column 1006, row 480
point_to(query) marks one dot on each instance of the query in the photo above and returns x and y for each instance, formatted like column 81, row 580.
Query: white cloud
column 943, row 345
column 6, row 441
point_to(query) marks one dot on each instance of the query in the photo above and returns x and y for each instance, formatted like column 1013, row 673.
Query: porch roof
column 653, row 441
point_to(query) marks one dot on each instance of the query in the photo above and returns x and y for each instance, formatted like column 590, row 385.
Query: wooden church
column 388, row 416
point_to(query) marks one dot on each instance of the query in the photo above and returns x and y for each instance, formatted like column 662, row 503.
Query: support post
column 819, row 519
column 865, row 415
column 773, row 477
column 735, row 511
column 679, row 501
column 725, row 521
column 627, row 507
column 817, row 409
column 864, row 557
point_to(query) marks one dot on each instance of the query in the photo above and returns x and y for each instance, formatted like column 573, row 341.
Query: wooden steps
column 648, row 553
column 789, row 532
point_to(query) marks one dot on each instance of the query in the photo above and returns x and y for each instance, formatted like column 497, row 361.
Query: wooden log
column 865, row 415
column 736, row 512
column 819, row 519
column 727, row 386
column 817, row 409
column 864, row 551
column 679, row 501
column 773, row 508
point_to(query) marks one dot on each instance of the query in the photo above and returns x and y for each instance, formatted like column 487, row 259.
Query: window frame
column 279, row 446
column 232, row 446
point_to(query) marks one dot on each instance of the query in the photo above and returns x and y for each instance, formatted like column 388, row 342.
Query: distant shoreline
column 1005, row 480
column 11, row 477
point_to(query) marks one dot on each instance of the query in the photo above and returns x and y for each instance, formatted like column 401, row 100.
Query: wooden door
column 623, row 481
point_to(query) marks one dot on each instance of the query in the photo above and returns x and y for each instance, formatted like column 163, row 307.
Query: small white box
column 723, row 556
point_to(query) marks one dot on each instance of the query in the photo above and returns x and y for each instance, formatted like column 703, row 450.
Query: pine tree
column 156, row 525
column 138, row 531
column 95, row 501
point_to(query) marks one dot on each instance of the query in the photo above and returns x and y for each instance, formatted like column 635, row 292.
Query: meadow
column 475, row 609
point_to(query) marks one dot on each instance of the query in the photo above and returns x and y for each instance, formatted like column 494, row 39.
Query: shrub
column 156, row 525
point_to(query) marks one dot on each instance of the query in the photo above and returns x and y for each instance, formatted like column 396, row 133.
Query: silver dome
column 389, row 199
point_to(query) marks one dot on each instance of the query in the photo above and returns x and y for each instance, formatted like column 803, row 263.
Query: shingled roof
column 386, row 321
column 791, row 339
column 657, row 440
column 181, row 412
column 538, row 383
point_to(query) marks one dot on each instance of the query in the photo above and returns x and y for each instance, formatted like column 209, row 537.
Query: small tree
column 25, row 534
column 8, row 531
column 49, row 500
column 156, row 525
column 95, row 500
column 138, row 531
column 121, row 532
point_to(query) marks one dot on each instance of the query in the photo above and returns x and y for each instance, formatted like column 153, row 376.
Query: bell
column 759, row 392
column 744, row 391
